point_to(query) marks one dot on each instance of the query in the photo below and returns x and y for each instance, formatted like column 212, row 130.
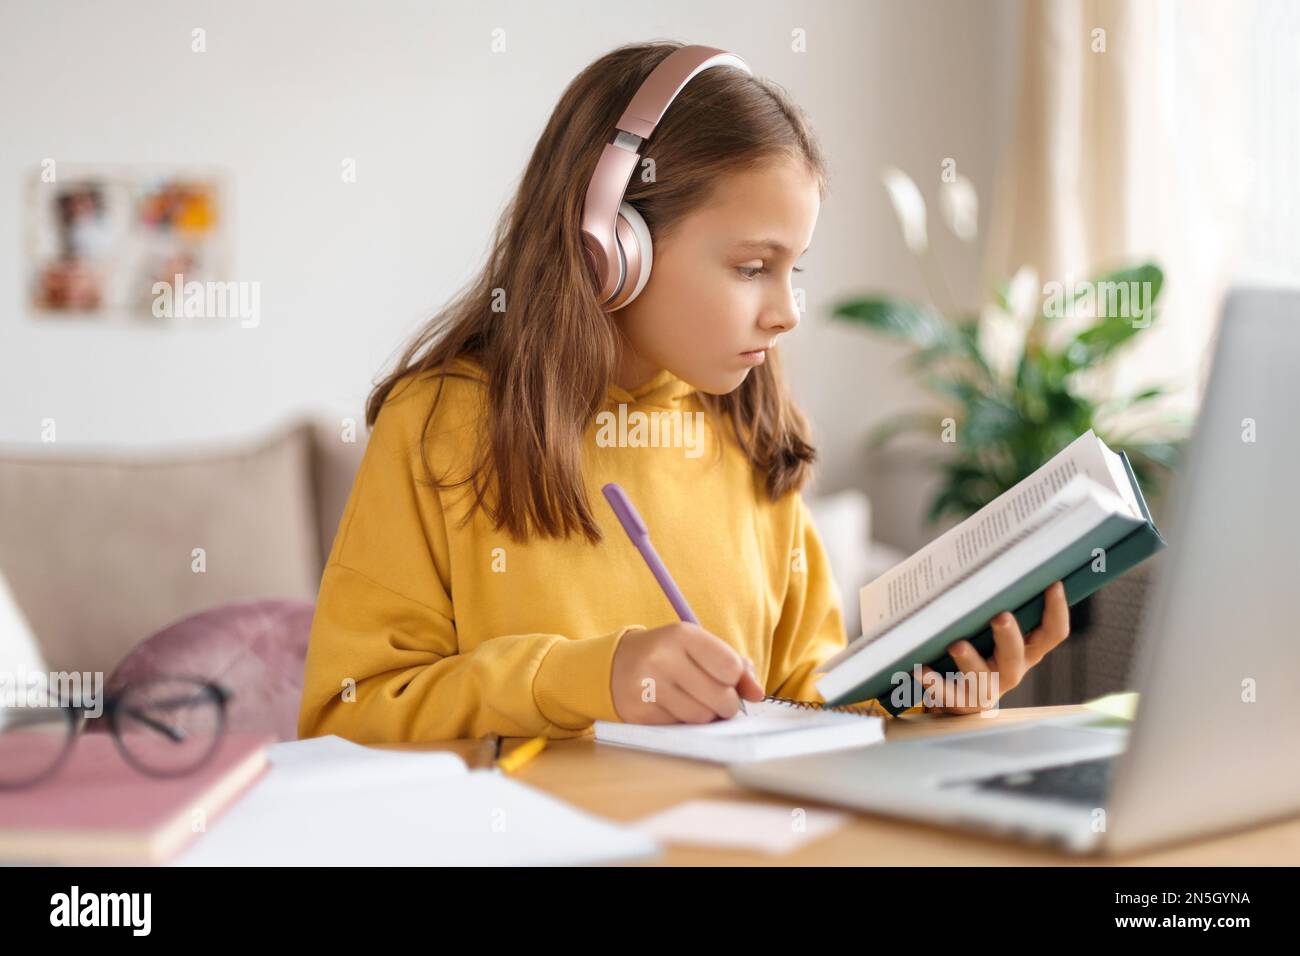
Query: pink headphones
column 615, row 238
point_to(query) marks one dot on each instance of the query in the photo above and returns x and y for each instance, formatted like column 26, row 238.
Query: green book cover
column 1126, row 545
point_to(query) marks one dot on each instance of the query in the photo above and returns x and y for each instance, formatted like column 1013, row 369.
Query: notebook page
column 764, row 717
column 769, row 729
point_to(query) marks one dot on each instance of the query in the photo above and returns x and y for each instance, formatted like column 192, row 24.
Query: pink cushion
column 256, row 649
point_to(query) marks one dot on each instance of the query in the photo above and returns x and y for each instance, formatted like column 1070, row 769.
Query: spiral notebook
column 774, row 727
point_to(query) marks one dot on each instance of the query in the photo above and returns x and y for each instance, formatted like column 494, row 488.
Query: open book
column 773, row 727
column 1080, row 518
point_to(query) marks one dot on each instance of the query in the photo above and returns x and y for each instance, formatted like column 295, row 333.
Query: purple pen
column 640, row 535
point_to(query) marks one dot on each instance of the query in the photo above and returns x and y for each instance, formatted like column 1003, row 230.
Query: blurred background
column 345, row 163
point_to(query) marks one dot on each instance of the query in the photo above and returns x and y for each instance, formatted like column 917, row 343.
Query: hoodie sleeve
column 383, row 661
column 811, row 626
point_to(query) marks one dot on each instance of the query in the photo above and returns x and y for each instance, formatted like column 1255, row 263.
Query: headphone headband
column 605, row 236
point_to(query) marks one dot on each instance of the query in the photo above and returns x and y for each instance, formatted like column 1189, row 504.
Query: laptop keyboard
column 1085, row 782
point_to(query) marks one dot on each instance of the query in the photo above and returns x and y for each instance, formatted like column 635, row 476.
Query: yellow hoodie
column 427, row 630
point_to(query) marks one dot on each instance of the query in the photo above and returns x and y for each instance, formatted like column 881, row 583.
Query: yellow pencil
column 522, row 754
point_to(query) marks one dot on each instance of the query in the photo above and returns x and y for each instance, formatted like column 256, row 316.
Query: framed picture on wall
column 100, row 238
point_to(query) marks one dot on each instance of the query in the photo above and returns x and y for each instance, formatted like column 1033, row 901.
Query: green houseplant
column 1014, row 378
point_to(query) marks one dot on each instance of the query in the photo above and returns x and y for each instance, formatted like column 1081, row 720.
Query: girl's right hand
column 679, row 673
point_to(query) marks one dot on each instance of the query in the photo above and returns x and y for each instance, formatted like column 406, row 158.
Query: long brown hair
column 550, row 356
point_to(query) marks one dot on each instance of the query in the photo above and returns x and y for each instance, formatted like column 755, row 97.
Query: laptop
column 1213, row 746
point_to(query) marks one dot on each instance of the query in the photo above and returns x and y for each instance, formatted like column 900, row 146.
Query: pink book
column 98, row 809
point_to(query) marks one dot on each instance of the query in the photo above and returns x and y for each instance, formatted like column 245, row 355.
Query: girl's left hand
column 1013, row 656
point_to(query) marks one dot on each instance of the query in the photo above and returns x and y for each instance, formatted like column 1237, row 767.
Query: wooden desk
column 622, row 784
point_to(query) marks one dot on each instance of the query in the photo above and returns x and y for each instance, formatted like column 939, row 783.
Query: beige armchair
column 103, row 549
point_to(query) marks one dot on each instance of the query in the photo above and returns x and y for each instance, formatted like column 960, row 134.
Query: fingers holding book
column 982, row 682
column 1054, row 628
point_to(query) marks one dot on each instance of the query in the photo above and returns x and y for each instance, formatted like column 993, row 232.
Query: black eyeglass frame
column 117, row 704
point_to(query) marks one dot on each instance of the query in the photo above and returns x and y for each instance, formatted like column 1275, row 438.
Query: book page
column 910, row 584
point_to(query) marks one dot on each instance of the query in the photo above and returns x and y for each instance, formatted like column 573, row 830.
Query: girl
column 478, row 582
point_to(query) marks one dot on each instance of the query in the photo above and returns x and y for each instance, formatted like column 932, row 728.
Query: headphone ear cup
column 638, row 266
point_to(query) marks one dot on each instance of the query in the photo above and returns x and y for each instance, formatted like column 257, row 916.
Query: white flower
column 1023, row 295
column 1001, row 333
column 960, row 207
column 909, row 206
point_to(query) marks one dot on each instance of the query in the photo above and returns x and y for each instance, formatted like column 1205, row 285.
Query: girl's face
column 720, row 285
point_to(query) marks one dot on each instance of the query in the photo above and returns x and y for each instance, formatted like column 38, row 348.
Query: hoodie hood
column 664, row 390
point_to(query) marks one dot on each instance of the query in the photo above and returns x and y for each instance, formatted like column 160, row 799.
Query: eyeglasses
column 162, row 726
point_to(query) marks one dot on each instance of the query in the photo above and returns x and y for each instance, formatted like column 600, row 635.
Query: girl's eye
column 750, row 271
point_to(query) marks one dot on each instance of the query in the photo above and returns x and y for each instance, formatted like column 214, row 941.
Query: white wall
column 440, row 128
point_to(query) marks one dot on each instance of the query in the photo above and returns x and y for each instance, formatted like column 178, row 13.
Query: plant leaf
column 898, row 318
column 1120, row 317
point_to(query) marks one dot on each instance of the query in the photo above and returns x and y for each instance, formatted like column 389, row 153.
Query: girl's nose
column 782, row 315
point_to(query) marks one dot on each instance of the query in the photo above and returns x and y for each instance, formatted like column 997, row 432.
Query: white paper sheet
column 324, row 804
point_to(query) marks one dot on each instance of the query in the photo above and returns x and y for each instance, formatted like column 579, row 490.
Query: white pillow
column 19, row 651
column 843, row 522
